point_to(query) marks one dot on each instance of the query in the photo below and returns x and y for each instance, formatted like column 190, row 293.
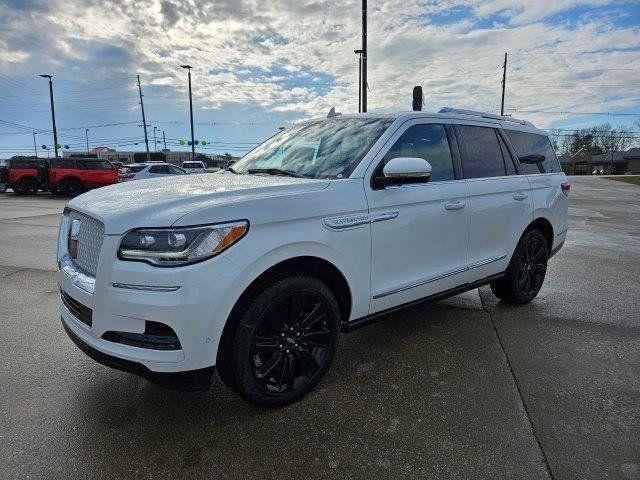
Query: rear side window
column 428, row 141
column 159, row 169
column 65, row 164
column 132, row 168
column 25, row 164
column 480, row 152
column 175, row 170
column 530, row 144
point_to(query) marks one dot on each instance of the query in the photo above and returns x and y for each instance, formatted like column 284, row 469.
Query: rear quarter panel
column 549, row 202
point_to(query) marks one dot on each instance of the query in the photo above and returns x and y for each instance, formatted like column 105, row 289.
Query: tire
column 3, row 188
column 283, row 342
column 526, row 271
column 28, row 186
column 71, row 187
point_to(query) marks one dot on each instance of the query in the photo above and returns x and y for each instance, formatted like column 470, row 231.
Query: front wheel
column 283, row 343
column 526, row 271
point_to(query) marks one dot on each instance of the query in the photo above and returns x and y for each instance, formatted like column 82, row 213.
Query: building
column 610, row 163
column 175, row 158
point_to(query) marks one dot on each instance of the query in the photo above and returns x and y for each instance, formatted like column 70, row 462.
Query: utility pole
column 504, row 82
column 144, row 120
column 164, row 140
column 86, row 137
column 155, row 142
column 363, row 85
column 359, row 53
column 35, row 149
column 53, row 113
column 193, row 145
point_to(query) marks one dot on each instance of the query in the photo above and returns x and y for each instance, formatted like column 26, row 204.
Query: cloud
column 297, row 57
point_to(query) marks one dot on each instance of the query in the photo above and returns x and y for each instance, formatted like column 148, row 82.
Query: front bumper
column 194, row 301
column 192, row 380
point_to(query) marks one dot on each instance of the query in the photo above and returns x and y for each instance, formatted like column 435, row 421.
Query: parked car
column 24, row 175
column 67, row 176
column 140, row 171
column 257, row 270
column 194, row 167
column 72, row 176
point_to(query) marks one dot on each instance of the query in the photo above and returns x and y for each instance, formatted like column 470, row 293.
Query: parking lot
column 465, row 388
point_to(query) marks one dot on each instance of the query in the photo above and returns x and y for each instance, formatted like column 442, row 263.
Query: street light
column 53, row 112
column 359, row 53
column 193, row 144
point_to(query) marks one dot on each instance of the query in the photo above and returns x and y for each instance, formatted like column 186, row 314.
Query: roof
column 506, row 122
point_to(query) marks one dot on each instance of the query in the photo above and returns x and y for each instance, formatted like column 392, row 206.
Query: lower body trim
column 352, row 325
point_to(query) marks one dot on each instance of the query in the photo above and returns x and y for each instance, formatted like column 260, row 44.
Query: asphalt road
column 466, row 388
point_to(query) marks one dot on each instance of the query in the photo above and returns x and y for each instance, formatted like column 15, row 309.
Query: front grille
column 89, row 242
column 82, row 313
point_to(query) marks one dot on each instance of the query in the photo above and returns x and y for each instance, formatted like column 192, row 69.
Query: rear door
column 545, row 179
column 500, row 200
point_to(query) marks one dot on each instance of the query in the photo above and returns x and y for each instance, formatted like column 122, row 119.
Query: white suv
column 194, row 167
column 322, row 229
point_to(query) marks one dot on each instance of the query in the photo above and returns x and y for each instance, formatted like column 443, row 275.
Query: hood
column 161, row 202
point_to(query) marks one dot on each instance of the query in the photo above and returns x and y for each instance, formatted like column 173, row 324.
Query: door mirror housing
column 403, row 170
column 533, row 159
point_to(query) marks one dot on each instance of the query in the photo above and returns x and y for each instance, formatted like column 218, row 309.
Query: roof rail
column 483, row 115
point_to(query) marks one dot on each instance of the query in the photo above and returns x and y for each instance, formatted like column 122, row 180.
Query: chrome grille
column 89, row 242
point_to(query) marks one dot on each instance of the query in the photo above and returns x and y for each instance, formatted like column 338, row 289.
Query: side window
column 65, row 164
column 104, row 165
column 480, row 152
column 428, row 141
column 508, row 160
column 158, row 169
column 175, row 170
column 531, row 143
column 88, row 165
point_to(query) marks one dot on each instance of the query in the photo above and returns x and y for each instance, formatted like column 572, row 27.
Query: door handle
column 520, row 196
column 454, row 205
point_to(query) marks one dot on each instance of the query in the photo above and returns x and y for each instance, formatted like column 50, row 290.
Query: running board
column 352, row 325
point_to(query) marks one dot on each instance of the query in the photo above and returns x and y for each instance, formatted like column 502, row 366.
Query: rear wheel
column 526, row 271
column 283, row 343
column 28, row 186
column 71, row 187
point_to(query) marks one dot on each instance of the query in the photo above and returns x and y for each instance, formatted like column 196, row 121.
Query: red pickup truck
column 67, row 176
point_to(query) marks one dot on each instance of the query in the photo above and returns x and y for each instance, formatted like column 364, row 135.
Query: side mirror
column 403, row 170
column 532, row 159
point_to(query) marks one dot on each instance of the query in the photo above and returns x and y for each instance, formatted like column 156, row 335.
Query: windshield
column 329, row 148
column 132, row 168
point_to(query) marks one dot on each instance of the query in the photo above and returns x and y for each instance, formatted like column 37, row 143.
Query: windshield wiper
column 276, row 171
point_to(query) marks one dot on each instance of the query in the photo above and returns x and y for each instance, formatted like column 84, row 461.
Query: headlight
column 172, row 247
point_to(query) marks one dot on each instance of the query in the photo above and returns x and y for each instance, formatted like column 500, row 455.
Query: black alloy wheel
column 291, row 342
column 526, row 271
column 284, row 343
column 29, row 186
column 532, row 266
column 72, row 188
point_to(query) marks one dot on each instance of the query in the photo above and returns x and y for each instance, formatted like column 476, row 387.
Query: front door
column 418, row 231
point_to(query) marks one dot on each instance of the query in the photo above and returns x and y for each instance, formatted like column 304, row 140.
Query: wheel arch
column 311, row 265
column 545, row 227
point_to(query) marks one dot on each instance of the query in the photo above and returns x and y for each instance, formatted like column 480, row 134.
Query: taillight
column 566, row 186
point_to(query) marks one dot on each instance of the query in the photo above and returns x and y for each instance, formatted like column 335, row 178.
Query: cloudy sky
column 259, row 64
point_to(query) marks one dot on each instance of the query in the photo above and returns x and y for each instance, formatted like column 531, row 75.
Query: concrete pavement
column 468, row 387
